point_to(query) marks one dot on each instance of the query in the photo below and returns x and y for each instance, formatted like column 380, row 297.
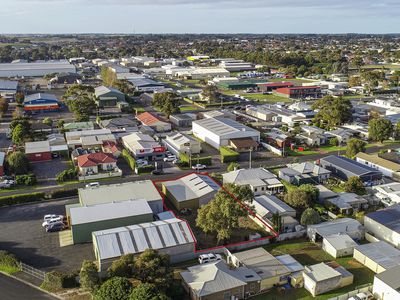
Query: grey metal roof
column 135, row 239
column 119, row 192
column 101, row 90
column 381, row 253
column 292, row 264
column 223, row 126
column 340, row 241
column 38, row 68
column 348, row 164
column 309, row 168
column 243, row 176
column 38, row 96
column 390, row 277
column 342, row 225
column 321, row 272
column 265, row 204
column 8, row 85
column 109, row 211
column 192, row 186
column 143, row 82
column 388, row 217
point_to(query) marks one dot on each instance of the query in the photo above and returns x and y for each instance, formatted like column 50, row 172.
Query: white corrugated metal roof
column 137, row 238
column 109, row 211
column 37, row 147
column 224, row 126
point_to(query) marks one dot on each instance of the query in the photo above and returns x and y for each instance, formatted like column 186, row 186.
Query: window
column 255, row 189
column 227, row 295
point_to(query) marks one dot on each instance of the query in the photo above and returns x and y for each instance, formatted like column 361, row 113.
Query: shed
column 38, row 151
column 348, row 226
column 86, row 219
column 338, row 245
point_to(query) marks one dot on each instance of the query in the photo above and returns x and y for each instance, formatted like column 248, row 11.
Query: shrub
column 121, row 267
column 232, row 166
column 29, row 179
column 129, row 159
column 8, row 262
column 310, row 217
column 116, row 288
column 67, row 175
column 185, row 160
column 89, row 276
column 55, row 281
column 24, row 198
column 145, row 169
column 228, row 155
column 62, row 193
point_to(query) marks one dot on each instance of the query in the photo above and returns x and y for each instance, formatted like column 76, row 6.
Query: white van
column 93, row 184
column 210, row 257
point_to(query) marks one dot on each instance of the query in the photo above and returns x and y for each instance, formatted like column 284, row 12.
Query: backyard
column 308, row 253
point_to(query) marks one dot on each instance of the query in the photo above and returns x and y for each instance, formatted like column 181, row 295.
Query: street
column 11, row 289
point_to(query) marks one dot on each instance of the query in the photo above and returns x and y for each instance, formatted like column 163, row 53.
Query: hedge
column 62, row 193
column 145, row 169
column 228, row 155
column 205, row 160
column 129, row 159
column 29, row 179
column 24, row 198
column 8, row 262
column 55, row 281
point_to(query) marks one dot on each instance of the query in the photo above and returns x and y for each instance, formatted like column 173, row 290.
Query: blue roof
column 388, row 217
column 7, row 85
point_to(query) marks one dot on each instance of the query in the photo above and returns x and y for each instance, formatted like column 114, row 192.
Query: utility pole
column 251, row 150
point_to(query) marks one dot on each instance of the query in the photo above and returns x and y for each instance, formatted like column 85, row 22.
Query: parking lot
column 48, row 170
column 22, row 234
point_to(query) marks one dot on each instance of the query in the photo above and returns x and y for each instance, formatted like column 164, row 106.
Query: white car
column 199, row 167
column 170, row 158
column 210, row 257
column 92, row 184
column 53, row 220
column 142, row 162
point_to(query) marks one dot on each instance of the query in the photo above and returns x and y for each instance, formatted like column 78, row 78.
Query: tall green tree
column 116, row 288
column 19, row 134
column 354, row 185
column 223, row 213
column 146, row 291
column 379, row 129
column 154, row 268
column 82, row 107
column 333, row 111
column 77, row 90
column 89, row 276
column 354, row 146
column 298, row 198
column 310, row 217
column 167, row 102
column 211, row 93
column 18, row 163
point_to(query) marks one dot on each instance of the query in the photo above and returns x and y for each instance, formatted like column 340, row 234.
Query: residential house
column 88, row 138
column 325, row 277
column 78, row 126
column 271, row 270
column 278, row 138
column 342, row 135
column 40, row 127
column 182, row 120
column 351, row 227
column 384, row 224
column 98, row 162
column 143, row 146
column 388, row 168
column 344, row 168
column 260, row 180
column 306, row 172
column 154, row 121
column 119, row 125
column 178, row 143
column 347, row 203
column 190, row 191
column 111, row 148
column 38, row 151
column 146, row 85
column 8, row 89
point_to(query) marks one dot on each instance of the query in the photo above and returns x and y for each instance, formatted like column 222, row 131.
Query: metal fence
column 361, row 289
column 32, row 271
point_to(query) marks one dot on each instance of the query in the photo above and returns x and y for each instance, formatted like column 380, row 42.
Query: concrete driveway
column 22, row 234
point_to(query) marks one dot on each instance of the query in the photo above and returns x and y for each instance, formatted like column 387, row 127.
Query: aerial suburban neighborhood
column 199, row 166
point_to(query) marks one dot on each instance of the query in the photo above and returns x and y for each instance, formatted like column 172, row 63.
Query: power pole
column 251, row 150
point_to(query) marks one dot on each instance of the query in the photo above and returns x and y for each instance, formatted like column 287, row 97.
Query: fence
column 272, row 149
column 32, row 271
column 362, row 289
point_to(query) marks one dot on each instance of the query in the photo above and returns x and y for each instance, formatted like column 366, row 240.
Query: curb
column 31, row 285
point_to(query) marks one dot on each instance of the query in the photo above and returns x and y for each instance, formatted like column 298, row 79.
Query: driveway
column 48, row 170
column 22, row 234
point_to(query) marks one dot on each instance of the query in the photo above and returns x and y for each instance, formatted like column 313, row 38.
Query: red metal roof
column 277, row 84
column 147, row 118
column 94, row 159
column 288, row 89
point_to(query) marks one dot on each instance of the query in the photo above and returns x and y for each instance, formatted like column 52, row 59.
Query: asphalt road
column 11, row 289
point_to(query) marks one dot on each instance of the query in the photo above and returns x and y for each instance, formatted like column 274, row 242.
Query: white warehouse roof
column 225, row 127
column 36, row 69
column 137, row 238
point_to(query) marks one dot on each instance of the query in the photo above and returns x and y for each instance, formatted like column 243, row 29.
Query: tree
column 379, row 129
column 167, row 102
column 153, row 267
column 334, row 142
column 210, row 93
column 77, row 90
column 277, row 221
column 298, row 198
column 146, row 291
column 82, row 107
column 354, row 185
column 60, row 123
column 310, row 217
column 89, row 277
column 3, row 105
column 18, row 163
column 19, row 98
column 354, row 81
column 223, row 213
column 108, row 76
column 354, row 146
column 18, row 135
column 48, row 121
column 312, row 192
column 233, row 166
column 122, row 267
column 333, row 111
column 116, row 288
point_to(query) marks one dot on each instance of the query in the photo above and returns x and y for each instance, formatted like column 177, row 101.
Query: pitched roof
column 348, row 164
column 375, row 159
column 388, row 217
column 94, row 159
column 244, row 143
column 307, row 168
column 148, row 118
column 39, row 96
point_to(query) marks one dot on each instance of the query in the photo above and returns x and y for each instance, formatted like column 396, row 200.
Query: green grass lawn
column 9, row 269
column 184, row 108
column 308, row 253
column 290, row 152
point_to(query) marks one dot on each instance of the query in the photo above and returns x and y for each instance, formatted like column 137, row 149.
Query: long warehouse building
column 35, row 69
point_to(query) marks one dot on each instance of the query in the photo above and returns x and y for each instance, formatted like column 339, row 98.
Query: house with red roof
column 93, row 164
column 111, row 148
column 154, row 121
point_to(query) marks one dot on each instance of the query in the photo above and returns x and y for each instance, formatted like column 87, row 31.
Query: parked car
column 210, row 257
column 142, row 162
column 185, row 211
column 55, row 227
column 7, row 183
column 362, row 296
column 51, row 216
column 199, row 167
column 52, row 221
column 176, row 161
column 55, row 155
column 157, row 172
column 170, row 158
column 92, row 184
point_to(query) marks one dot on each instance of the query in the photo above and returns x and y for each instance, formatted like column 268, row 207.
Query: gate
column 33, row 271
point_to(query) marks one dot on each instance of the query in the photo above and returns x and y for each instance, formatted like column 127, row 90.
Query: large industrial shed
column 86, row 219
column 172, row 237
column 385, row 224
column 344, row 168
column 378, row 257
column 121, row 192
column 36, row 69
column 220, row 131
column 191, row 191
column 41, row 103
